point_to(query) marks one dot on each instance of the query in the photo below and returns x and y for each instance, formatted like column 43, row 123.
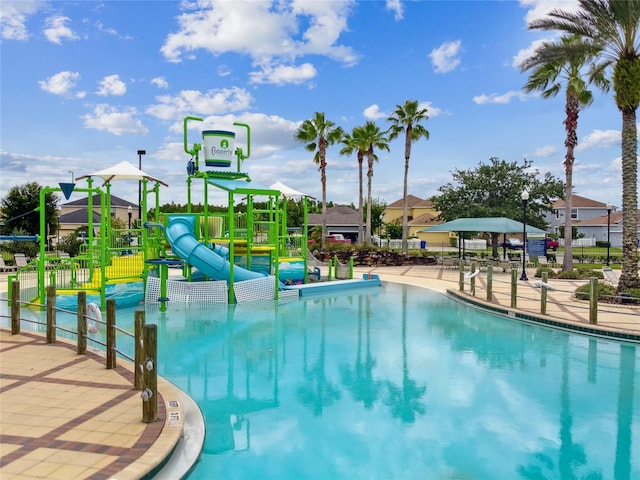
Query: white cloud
column 526, row 53
column 600, row 138
column 540, row 8
column 13, row 17
column 112, row 85
column 270, row 32
column 545, row 151
column 62, row 83
column 373, row 113
column 431, row 110
column 160, row 82
column 283, row 74
column 56, row 30
column 396, row 7
column 112, row 120
column 501, row 99
column 194, row 102
column 446, row 57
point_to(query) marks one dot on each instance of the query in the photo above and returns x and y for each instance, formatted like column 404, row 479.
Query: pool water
column 399, row 382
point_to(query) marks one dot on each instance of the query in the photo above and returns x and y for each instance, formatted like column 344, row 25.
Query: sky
column 86, row 84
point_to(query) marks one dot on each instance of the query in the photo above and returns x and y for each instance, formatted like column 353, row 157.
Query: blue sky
column 86, row 84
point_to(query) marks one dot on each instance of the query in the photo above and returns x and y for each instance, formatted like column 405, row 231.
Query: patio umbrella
column 483, row 224
column 122, row 171
column 287, row 191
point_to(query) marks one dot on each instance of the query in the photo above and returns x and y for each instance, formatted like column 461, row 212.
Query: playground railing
column 28, row 276
column 89, row 329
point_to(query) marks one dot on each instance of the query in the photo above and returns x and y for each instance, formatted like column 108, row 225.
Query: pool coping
column 539, row 319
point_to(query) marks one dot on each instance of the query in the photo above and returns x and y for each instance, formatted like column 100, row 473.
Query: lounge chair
column 21, row 260
column 6, row 268
column 610, row 276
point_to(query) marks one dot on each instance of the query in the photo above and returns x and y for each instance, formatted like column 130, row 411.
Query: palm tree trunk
column 360, row 200
column 572, row 109
column 405, row 215
column 323, row 180
column 369, row 180
column 629, row 276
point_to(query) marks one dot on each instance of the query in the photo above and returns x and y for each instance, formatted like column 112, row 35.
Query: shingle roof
column 338, row 215
column 579, row 202
column 115, row 202
column 80, row 216
column 426, row 219
column 412, row 201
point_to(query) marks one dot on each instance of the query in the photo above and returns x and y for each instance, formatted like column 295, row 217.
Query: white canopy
column 288, row 192
column 122, row 171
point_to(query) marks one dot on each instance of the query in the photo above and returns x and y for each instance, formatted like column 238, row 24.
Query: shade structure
column 483, row 224
column 122, row 171
column 288, row 192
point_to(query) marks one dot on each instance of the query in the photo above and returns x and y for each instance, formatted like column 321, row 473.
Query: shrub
column 606, row 292
column 551, row 273
column 570, row 275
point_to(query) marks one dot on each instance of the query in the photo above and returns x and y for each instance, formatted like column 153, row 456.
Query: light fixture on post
column 129, row 211
column 140, row 153
column 525, row 200
column 609, row 207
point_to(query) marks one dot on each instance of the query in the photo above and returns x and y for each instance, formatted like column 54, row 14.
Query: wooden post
column 111, row 333
column 139, row 348
column 514, row 288
column 489, row 283
column 472, row 283
column 593, row 300
column 461, row 275
column 15, row 307
column 150, row 383
column 543, row 293
column 82, row 323
column 51, row 314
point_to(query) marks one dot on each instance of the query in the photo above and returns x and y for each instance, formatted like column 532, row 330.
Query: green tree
column 374, row 139
column 355, row 142
column 548, row 77
column 608, row 33
column 406, row 119
column 19, row 210
column 317, row 134
column 494, row 190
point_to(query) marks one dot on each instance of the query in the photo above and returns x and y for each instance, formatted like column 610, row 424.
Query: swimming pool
column 398, row 382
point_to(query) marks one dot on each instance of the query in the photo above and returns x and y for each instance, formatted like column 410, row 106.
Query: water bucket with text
column 218, row 147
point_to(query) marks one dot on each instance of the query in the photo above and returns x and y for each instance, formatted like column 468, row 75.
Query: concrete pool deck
column 65, row 416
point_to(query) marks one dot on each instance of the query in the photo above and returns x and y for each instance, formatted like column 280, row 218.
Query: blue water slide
column 213, row 263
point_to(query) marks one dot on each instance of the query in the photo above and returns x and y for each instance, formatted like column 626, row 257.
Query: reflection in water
column 336, row 387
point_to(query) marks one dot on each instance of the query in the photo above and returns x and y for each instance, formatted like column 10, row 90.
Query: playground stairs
column 123, row 269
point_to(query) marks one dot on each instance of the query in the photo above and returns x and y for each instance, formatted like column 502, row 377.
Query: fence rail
column 145, row 336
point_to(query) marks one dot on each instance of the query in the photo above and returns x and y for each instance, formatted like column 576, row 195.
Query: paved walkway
column 66, row 416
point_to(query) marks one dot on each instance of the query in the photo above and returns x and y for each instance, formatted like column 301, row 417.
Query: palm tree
column 548, row 77
column 406, row 118
column 356, row 143
column 373, row 138
column 608, row 33
column 318, row 133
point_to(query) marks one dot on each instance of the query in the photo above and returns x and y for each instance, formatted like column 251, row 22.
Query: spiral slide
column 180, row 234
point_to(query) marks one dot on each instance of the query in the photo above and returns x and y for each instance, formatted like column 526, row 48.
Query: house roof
column 115, row 202
column 412, row 201
column 602, row 220
column 79, row 217
column 338, row 215
column 579, row 202
column 426, row 219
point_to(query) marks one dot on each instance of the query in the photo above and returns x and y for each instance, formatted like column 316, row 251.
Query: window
column 574, row 213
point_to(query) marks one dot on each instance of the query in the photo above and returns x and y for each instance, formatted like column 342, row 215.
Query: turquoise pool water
column 399, row 383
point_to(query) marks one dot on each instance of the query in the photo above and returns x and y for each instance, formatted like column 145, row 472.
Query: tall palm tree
column 355, row 142
column 374, row 138
column 609, row 34
column 406, row 119
column 318, row 133
column 548, row 78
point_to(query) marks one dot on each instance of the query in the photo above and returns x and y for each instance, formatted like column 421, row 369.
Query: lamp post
column 525, row 200
column 140, row 153
column 609, row 206
column 129, row 211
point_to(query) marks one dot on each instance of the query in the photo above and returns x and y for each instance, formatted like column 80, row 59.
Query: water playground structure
column 233, row 256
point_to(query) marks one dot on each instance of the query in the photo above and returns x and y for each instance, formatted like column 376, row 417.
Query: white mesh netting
column 187, row 292
column 255, row 289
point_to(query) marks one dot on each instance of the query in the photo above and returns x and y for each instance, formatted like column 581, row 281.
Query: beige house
column 76, row 214
column 420, row 215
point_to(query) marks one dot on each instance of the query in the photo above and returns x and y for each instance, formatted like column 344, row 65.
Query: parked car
column 513, row 244
column 337, row 238
column 552, row 244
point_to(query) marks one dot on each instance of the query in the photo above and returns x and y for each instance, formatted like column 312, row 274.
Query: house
column 420, row 215
column 599, row 228
column 340, row 219
column 75, row 214
column 581, row 209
